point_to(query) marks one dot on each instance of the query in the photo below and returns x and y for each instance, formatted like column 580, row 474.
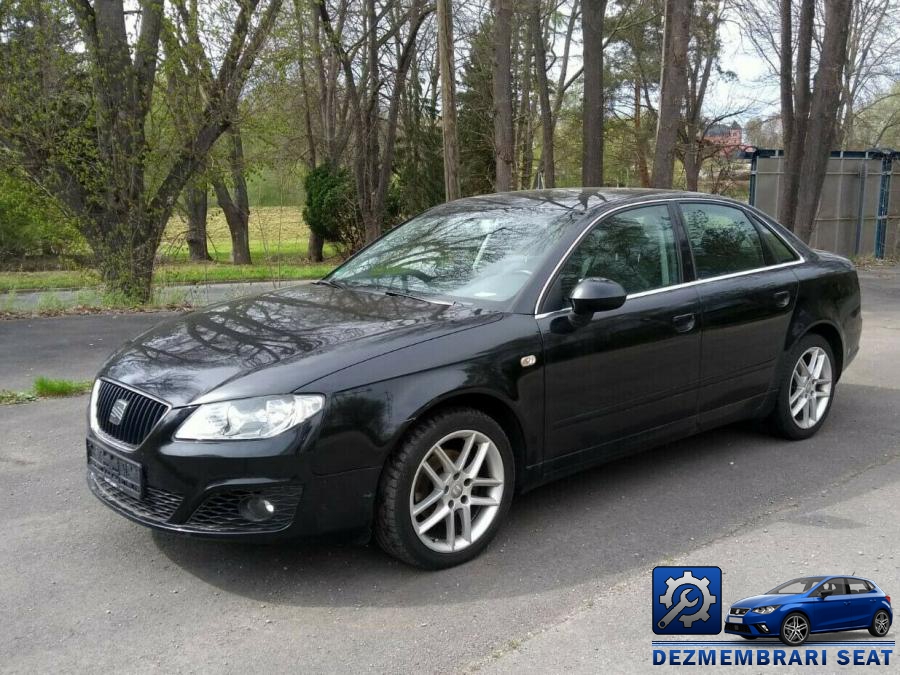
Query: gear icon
column 702, row 585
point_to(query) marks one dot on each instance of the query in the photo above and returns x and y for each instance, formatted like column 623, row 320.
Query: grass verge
column 278, row 248
column 45, row 387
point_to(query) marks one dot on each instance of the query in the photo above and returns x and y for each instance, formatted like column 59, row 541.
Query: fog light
column 763, row 627
column 256, row 509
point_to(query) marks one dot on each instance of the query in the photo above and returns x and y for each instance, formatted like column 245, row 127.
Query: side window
column 636, row 248
column 858, row 586
column 778, row 250
column 722, row 239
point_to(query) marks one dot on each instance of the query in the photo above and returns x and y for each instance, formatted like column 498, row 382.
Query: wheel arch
column 824, row 328
column 490, row 404
column 835, row 340
column 797, row 610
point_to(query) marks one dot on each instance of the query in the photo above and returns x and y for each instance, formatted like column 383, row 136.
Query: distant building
column 728, row 136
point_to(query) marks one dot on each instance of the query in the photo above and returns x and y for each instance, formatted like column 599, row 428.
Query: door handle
column 684, row 323
column 782, row 299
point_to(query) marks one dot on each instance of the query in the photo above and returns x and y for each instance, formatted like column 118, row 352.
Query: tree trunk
column 823, row 115
column 640, row 142
column 195, row 201
column 592, row 107
column 237, row 207
column 125, row 253
column 524, row 119
column 502, row 89
column 548, row 161
column 447, row 66
column 315, row 247
column 795, row 97
column 692, row 159
column 673, row 89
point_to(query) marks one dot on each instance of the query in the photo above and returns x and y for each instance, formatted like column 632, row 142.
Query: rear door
column 863, row 602
column 631, row 372
column 747, row 293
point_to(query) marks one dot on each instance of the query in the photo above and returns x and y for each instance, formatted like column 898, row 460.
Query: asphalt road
column 565, row 586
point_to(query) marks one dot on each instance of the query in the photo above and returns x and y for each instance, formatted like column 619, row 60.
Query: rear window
column 723, row 239
column 778, row 251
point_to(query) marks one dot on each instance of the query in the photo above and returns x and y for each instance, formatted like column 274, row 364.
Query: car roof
column 568, row 199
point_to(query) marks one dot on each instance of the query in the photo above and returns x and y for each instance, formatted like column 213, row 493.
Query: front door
column 631, row 373
column 747, row 294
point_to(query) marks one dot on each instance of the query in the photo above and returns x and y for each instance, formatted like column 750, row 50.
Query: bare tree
column 872, row 60
column 504, row 150
column 447, row 66
column 366, row 83
column 593, row 14
column 703, row 55
column 821, row 130
column 548, row 161
column 235, row 201
column 673, row 89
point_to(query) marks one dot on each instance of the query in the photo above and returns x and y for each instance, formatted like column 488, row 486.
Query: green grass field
column 278, row 248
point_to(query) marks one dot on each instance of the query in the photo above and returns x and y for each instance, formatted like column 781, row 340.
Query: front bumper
column 754, row 626
column 197, row 489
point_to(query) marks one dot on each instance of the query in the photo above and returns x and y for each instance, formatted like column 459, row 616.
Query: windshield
column 796, row 586
column 482, row 257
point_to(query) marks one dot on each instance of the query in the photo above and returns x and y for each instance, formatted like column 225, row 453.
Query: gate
column 859, row 210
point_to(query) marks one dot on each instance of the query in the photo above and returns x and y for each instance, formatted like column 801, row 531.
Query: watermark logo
column 687, row 600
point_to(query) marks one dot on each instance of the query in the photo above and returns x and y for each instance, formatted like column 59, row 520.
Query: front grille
column 140, row 416
column 157, row 505
column 738, row 627
column 219, row 512
column 738, row 611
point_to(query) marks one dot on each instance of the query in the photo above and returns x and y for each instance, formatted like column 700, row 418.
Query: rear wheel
column 446, row 491
column 806, row 388
column 881, row 623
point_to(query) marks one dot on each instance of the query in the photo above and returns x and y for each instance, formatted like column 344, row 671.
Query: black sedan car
column 484, row 347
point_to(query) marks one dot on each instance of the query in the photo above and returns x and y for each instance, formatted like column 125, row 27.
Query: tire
column 418, row 476
column 794, row 629
column 794, row 390
column 881, row 623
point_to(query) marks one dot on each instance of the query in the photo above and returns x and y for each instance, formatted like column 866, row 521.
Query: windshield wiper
column 330, row 282
column 399, row 294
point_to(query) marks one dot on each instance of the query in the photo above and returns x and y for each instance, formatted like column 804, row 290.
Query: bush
column 31, row 223
column 331, row 210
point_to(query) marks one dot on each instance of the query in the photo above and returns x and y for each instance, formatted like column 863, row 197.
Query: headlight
column 766, row 610
column 261, row 417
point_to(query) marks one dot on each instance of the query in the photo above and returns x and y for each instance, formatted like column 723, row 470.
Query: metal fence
column 859, row 211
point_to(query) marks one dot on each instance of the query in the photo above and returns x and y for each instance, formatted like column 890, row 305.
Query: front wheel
column 446, row 490
column 794, row 630
column 881, row 623
column 806, row 388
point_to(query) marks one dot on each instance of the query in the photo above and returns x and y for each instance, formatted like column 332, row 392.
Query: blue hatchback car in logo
column 794, row 610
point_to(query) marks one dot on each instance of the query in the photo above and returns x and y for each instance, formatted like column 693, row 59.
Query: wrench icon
column 680, row 605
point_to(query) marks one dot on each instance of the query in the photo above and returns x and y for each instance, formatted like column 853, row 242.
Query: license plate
column 735, row 619
column 121, row 473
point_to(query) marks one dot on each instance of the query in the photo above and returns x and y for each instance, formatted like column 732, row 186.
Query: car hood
column 278, row 342
column 763, row 600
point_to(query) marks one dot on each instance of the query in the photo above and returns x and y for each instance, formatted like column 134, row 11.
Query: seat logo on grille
column 118, row 411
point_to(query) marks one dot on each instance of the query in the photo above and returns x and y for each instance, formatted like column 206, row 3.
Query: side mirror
column 825, row 594
column 597, row 295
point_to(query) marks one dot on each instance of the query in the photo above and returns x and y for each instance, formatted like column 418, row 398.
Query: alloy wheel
column 795, row 629
column 811, row 384
column 457, row 491
column 881, row 623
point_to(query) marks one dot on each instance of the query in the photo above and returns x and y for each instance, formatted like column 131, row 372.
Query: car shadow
column 617, row 517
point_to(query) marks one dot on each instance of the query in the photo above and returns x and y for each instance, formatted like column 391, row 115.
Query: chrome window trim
column 685, row 284
column 102, row 435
